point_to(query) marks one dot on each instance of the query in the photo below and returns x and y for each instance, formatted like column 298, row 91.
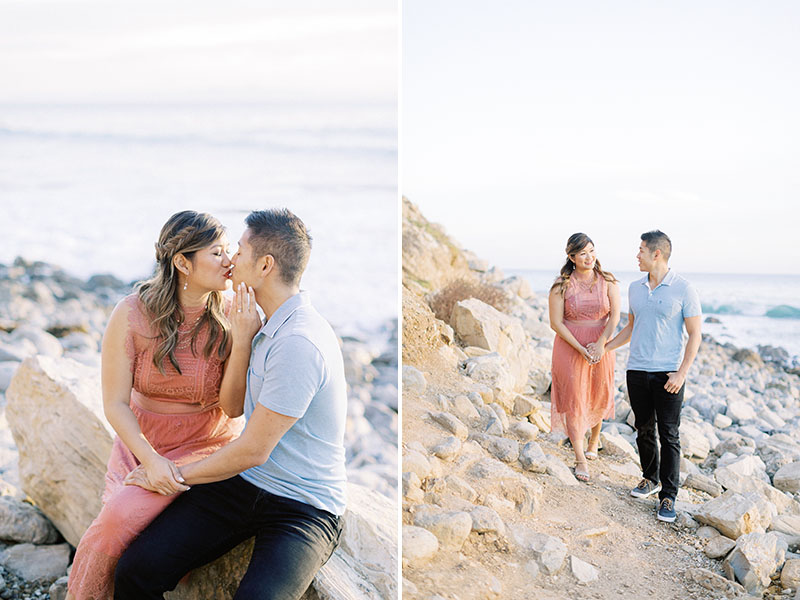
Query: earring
column 185, row 285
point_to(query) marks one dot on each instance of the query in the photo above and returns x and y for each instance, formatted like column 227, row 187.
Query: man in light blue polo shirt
column 661, row 305
column 283, row 480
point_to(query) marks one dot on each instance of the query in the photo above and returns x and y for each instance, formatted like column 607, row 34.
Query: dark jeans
column 653, row 405
column 293, row 540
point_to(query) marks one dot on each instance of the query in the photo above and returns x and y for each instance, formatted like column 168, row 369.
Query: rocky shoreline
column 46, row 312
column 485, row 483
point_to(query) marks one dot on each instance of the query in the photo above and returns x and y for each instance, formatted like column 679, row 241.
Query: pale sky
column 523, row 122
column 198, row 50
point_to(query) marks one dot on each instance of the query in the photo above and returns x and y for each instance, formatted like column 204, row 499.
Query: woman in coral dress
column 584, row 311
column 174, row 362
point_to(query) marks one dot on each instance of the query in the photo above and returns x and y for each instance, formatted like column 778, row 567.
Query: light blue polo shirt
column 296, row 369
column 657, row 339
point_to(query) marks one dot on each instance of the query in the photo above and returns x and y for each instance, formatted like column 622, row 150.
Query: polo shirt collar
column 285, row 310
column 668, row 279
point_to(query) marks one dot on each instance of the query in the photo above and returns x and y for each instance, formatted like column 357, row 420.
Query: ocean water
column 753, row 309
column 88, row 187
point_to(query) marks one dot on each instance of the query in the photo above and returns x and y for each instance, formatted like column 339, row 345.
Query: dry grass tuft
column 443, row 301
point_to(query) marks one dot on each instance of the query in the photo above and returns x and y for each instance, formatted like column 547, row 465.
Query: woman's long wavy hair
column 576, row 243
column 184, row 233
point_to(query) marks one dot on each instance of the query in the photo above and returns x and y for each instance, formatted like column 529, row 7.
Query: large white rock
column 54, row 409
column 787, row 478
column 481, row 325
column 735, row 514
column 492, row 476
column 741, row 411
column 419, row 544
column 450, row 528
column 693, row 441
column 43, row 564
column 55, row 413
column 21, row 522
column 494, row 371
column 755, row 557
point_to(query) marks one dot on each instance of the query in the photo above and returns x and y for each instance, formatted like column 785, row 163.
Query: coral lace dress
column 581, row 394
column 180, row 416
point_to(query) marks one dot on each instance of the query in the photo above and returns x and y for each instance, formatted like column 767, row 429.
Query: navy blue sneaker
column 666, row 510
column 645, row 488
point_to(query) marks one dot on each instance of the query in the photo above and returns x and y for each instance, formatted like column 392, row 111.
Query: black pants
column 293, row 540
column 653, row 405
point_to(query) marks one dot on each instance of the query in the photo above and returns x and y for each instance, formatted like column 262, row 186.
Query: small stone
column 524, row 430
column 451, row 424
column 560, row 471
column 583, row 571
column 486, row 520
column 719, row 547
column 415, row 462
column 451, row 528
column 58, row 591
column 457, row 486
column 448, row 449
column 413, row 380
column 722, row 421
column 419, row 544
column 533, row 458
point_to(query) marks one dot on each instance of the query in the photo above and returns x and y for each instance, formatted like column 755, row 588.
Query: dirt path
column 636, row 556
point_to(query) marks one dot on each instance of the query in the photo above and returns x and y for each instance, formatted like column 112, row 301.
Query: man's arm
column 623, row 337
column 263, row 431
column 677, row 379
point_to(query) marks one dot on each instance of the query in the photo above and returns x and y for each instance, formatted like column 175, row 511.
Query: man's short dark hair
column 280, row 233
column 658, row 240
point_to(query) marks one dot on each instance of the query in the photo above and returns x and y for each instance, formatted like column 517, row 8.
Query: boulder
column 494, row 371
column 787, row 478
column 42, row 564
column 560, row 471
column 715, row 583
column 790, row 574
column 734, row 514
column 478, row 324
column 451, row 424
column 616, row 445
column 486, row 520
column 499, row 447
column 495, row 477
column 448, row 448
column 21, row 522
column 740, row 410
column 693, row 441
column 719, row 546
column 548, row 551
column 413, row 380
column 419, row 544
column 705, row 484
column 450, row 528
column 55, row 413
column 533, row 458
column 755, row 557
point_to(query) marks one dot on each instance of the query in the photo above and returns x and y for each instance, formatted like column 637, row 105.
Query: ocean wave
column 780, row 311
column 351, row 141
column 722, row 309
column 783, row 311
